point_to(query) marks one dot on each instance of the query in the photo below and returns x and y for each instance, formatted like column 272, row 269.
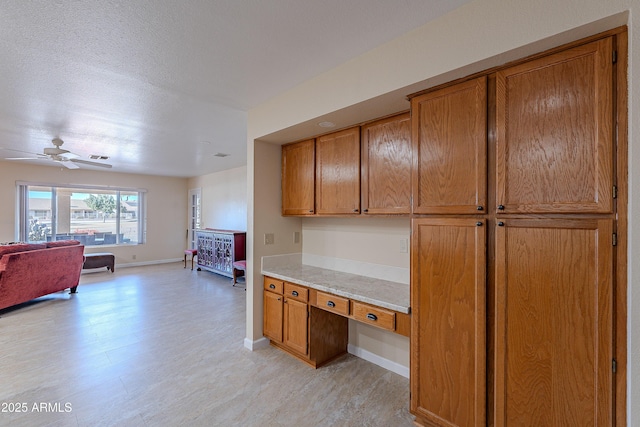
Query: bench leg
column 185, row 261
column 74, row 290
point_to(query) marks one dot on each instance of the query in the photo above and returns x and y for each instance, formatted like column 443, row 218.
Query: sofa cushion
column 59, row 243
column 20, row 247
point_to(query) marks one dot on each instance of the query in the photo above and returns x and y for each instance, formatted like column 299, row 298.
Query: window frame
column 22, row 208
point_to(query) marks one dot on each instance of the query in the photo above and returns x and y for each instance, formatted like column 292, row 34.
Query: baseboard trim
column 139, row 264
column 257, row 344
column 378, row 360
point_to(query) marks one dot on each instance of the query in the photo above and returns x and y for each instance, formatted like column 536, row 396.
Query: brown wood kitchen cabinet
column 449, row 133
column 338, row 173
column 386, row 166
column 298, row 178
column 555, row 132
column 448, row 329
column 286, row 315
column 313, row 336
column 554, row 322
column 514, row 308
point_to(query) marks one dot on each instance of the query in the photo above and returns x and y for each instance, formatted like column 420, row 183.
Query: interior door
column 194, row 215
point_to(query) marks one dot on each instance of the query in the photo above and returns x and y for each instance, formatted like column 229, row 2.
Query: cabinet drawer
column 297, row 292
column 380, row 317
column 273, row 285
column 333, row 303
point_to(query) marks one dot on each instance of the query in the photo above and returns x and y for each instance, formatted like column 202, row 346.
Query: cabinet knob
column 501, row 207
column 331, row 304
column 479, row 223
column 355, row 210
column 272, row 286
column 278, row 298
column 310, row 210
column 294, row 293
column 372, row 316
column 479, row 208
column 365, row 210
column 501, row 224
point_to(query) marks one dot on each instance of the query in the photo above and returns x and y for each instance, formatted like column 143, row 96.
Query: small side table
column 193, row 253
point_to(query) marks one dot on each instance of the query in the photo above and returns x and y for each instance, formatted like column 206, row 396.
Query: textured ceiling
column 160, row 86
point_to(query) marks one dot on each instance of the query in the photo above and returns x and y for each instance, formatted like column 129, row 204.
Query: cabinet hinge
column 615, row 239
column 615, row 56
column 614, row 365
column 615, row 191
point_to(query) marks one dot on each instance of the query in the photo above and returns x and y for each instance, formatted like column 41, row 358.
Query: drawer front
column 380, row 317
column 273, row 285
column 296, row 292
column 333, row 303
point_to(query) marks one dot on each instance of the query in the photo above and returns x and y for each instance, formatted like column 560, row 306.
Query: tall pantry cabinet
column 513, row 301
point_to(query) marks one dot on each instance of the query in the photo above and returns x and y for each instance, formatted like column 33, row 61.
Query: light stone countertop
column 382, row 293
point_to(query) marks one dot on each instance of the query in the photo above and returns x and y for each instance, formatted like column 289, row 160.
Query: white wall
column 372, row 246
column 166, row 207
column 224, row 199
column 471, row 38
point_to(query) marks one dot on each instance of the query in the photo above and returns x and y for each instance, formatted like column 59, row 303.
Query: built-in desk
column 306, row 308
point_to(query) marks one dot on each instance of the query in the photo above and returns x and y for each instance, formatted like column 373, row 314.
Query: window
column 93, row 215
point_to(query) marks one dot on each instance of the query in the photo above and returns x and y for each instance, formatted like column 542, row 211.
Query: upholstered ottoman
column 100, row 259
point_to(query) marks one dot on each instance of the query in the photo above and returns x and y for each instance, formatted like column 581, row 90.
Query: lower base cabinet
column 312, row 335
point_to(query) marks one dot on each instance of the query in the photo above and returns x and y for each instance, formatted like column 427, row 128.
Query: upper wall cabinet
column 338, row 173
column 298, row 178
column 386, row 166
column 554, row 120
column 449, row 132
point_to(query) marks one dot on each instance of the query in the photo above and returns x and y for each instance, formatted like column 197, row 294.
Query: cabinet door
column 449, row 132
column 205, row 249
column 338, row 173
column 555, row 132
column 386, row 166
column 298, row 178
column 448, row 329
column 554, row 323
column 273, row 320
column 296, row 325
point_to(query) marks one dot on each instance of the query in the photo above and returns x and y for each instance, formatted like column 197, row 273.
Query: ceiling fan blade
column 69, row 165
column 87, row 162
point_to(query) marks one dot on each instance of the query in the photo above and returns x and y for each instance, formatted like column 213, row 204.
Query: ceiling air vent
column 221, row 155
column 98, row 157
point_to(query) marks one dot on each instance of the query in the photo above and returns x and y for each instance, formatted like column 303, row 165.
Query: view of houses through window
column 93, row 216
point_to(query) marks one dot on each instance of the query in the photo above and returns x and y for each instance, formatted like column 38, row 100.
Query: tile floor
column 163, row 346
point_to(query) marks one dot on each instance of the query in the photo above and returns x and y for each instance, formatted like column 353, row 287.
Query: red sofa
column 31, row 270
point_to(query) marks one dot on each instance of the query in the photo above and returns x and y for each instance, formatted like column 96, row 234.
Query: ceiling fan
column 66, row 158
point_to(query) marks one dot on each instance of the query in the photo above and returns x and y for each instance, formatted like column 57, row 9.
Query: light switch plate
column 269, row 239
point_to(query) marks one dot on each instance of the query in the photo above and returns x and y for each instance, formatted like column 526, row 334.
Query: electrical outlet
column 404, row 246
column 269, row 239
column 296, row 237
column 133, row 257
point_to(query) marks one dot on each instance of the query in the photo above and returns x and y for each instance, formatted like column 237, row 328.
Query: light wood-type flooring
column 163, row 346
